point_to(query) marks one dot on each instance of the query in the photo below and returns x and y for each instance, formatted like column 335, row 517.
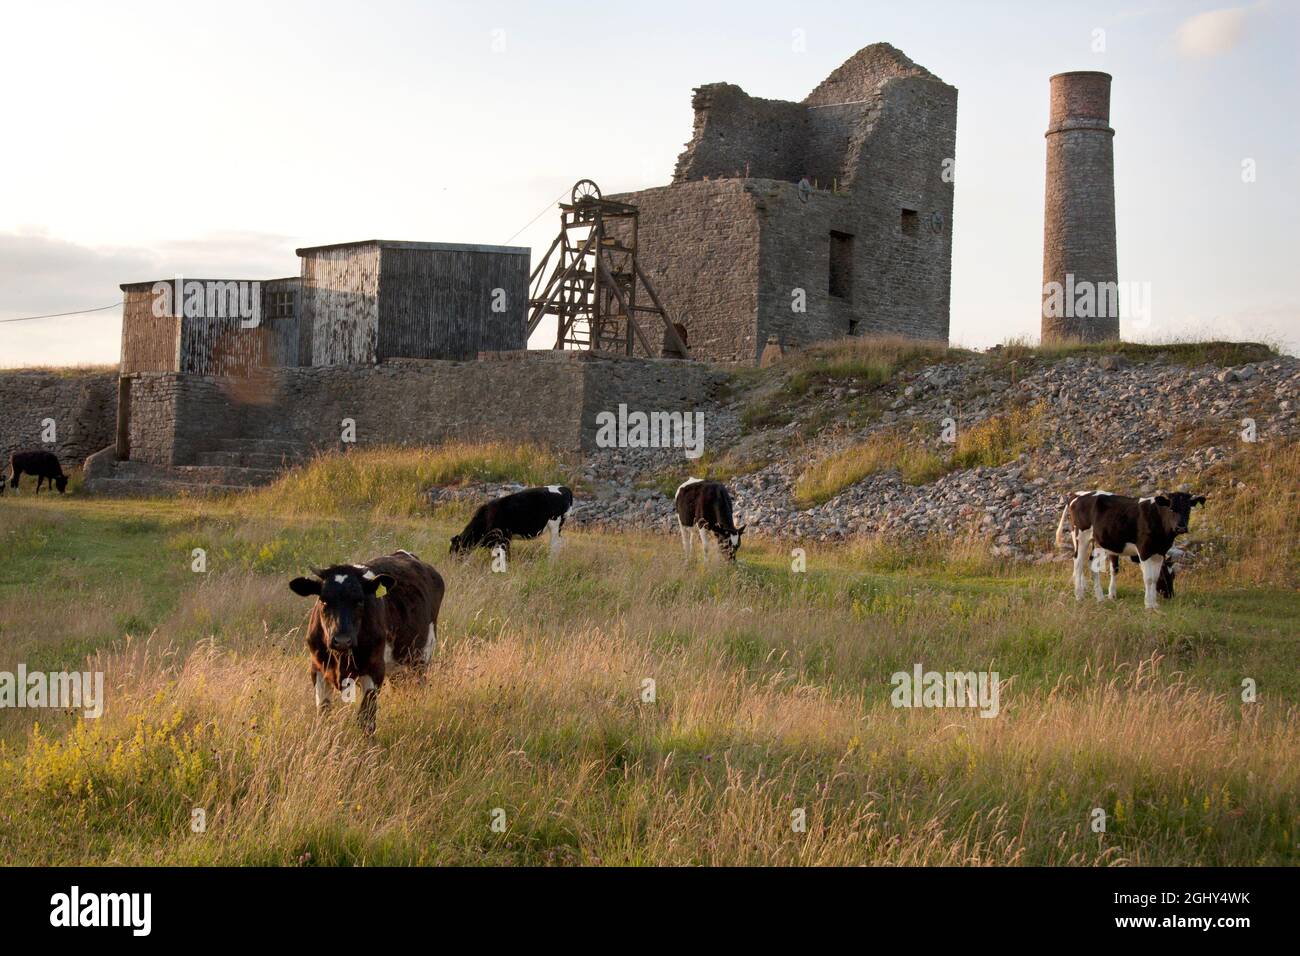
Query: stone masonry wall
column 737, row 135
column 698, row 243
column 733, row 258
column 153, row 416
column 82, row 403
column 662, row 385
column 547, row 398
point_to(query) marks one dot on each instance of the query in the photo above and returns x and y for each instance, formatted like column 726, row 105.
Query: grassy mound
column 391, row 481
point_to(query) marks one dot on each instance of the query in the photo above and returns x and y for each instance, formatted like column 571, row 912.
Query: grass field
column 771, row 696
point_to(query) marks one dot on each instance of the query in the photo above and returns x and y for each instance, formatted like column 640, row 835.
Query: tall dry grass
column 1253, row 518
column 771, row 696
column 391, row 481
column 909, row 454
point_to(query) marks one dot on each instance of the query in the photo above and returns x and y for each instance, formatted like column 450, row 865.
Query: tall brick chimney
column 1079, row 214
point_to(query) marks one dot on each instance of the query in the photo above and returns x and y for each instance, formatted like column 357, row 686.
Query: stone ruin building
column 785, row 224
column 868, row 237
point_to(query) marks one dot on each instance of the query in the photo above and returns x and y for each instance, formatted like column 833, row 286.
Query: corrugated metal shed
column 376, row 299
column 219, row 333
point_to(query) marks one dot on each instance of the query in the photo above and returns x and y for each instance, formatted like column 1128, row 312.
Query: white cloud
column 1212, row 32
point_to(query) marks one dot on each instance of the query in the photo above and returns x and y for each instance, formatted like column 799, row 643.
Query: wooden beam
column 668, row 325
column 624, row 303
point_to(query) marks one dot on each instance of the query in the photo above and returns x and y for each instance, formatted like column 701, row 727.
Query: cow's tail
column 1060, row 525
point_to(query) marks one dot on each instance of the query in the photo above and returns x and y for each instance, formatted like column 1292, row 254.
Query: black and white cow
column 705, row 506
column 1105, row 527
column 43, row 464
column 524, row 514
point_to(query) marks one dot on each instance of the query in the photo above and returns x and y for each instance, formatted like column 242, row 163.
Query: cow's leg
column 1082, row 555
column 1099, row 557
column 324, row 693
column 430, row 643
column 553, row 526
column 704, row 543
column 39, row 479
column 1114, row 573
column 369, row 702
column 1150, row 575
column 686, row 538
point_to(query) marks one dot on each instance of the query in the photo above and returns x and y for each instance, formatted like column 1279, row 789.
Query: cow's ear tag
column 381, row 591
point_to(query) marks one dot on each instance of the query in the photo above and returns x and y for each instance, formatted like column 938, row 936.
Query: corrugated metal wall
column 208, row 343
column 438, row 303
column 149, row 342
column 340, row 305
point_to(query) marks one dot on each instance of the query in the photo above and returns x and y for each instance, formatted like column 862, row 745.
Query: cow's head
column 1181, row 503
column 344, row 592
column 61, row 482
column 730, row 543
column 458, row 545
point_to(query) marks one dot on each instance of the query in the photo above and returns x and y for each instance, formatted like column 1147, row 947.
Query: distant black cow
column 705, row 506
column 43, row 464
column 524, row 514
column 367, row 617
column 1116, row 525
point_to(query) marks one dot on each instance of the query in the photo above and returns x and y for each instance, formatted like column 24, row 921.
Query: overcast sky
column 146, row 139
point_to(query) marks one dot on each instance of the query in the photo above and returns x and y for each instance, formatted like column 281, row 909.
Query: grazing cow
column 43, row 464
column 368, row 616
column 524, row 514
column 706, row 506
column 1116, row 525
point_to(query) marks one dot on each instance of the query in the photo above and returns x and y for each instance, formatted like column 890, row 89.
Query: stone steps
column 140, row 478
column 269, row 461
column 275, row 446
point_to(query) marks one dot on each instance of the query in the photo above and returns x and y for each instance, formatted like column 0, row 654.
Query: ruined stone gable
column 743, row 254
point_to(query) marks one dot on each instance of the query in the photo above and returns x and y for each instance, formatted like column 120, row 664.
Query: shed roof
column 150, row 283
column 421, row 246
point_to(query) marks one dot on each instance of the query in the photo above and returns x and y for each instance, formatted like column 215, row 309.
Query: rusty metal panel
column 149, row 341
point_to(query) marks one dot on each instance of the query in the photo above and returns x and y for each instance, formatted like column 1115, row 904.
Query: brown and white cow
column 366, row 617
column 1119, row 526
column 705, row 506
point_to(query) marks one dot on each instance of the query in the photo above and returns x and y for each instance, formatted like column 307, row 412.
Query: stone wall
column 740, row 254
column 81, row 403
column 698, row 243
column 737, row 136
column 548, row 398
column 151, row 429
column 660, row 385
